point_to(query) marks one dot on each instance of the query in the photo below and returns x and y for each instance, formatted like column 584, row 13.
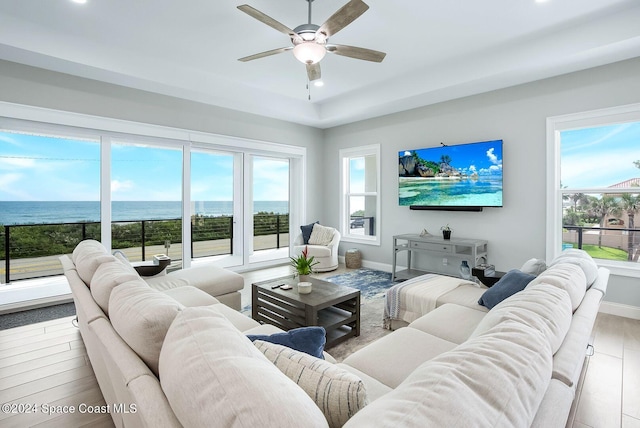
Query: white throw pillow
column 142, row 316
column 337, row 392
column 534, row 266
column 321, row 235
column 212, row 375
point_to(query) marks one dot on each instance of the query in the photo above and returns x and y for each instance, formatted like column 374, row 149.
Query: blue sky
column 37, row 168
column 599, row 157
column 483, row 157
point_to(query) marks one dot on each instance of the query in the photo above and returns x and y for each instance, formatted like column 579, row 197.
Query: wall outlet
column 445, row 262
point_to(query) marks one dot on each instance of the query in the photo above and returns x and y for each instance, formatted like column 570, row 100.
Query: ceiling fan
column 310, row 40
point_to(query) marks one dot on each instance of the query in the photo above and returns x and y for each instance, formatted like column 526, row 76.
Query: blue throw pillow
column 306, row 232
column 512, row 282
column 310, row 340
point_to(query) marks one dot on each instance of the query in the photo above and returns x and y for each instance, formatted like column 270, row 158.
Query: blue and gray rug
column 371, row 283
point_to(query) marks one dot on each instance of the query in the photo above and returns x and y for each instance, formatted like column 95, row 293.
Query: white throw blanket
column 413, row 298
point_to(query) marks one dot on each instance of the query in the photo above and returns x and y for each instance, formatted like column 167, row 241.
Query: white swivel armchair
column 326, row 255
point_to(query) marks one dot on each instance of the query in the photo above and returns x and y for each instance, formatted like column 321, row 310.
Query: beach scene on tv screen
column 461, row 175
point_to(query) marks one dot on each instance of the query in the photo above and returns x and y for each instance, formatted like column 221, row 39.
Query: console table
column 473, row 251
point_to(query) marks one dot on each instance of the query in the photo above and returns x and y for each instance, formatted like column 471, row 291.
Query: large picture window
column 360, row 203
column 595, row 186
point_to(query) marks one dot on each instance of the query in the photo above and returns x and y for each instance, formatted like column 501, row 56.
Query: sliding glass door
column 146, row 200
column 269, row 205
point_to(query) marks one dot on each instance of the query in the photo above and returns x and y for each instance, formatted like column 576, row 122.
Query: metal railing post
column 84, row 231
column 143, row 242
column 580, row 237
column 7, row 255
column 278, row 231
column 231, row 235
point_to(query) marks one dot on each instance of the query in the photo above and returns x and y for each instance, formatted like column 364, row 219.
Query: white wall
column 517, row 115
column 36, row 87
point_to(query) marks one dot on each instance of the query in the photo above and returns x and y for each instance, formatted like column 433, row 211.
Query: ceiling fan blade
column 313, row 71
column 343, row 17
column 357, row 53
column 265, row 19
column 263, row 54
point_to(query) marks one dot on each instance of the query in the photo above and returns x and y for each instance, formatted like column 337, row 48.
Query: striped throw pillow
column 337, row 392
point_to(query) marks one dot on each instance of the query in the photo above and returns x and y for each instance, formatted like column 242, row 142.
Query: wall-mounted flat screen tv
column 463, row 176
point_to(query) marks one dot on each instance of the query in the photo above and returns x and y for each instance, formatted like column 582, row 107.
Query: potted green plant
column 303, row 264
column 446, row 231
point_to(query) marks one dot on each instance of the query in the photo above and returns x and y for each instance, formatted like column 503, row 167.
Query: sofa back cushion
column 213, row 375
column 142, row 316
column 567, row 276
column 87, row 256
column 108, row 276
column 579, row 258
column 496, row 380
column 543, row 307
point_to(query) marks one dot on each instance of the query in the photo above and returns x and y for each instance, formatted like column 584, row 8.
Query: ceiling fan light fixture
column 309, row 52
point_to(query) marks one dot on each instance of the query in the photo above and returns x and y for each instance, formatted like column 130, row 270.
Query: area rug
column 18, row 319
column 370, row 282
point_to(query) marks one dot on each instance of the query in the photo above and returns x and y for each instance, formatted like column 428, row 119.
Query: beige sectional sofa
column 180, row 358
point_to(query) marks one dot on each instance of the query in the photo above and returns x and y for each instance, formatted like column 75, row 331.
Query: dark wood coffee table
column 332, row 306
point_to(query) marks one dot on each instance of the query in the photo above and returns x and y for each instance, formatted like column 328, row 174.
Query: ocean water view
column 47, row 212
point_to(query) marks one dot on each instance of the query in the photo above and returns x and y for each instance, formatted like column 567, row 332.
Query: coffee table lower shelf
column 339, row 315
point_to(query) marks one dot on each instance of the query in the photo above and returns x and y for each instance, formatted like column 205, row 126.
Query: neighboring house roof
column 632, row 182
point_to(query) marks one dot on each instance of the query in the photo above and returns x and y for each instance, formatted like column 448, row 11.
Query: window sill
column 618, row 268
column 360, row 240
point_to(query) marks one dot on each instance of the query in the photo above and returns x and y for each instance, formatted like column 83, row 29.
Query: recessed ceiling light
column 318, row 83
column 79, row 1
column 541, row 1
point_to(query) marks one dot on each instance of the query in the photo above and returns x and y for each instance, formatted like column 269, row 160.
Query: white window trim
column 345, row 229
column 556, row 124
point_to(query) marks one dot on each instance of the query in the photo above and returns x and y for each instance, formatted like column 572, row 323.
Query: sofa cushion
column 543, row 307
column 450, row 322
column 534, row 266
column 309, row 340
column 191, row 296
column 213, row 375
column 210, row 279
column 165, row 282
column 511, row 283
column 306, row 231
column 87, row 256
column 465, row 295
column 579, row 258
column 569, row 277
column 391, row 358
column 106, row 277
column 337, row 392
column 497, row 380
column 321, row 235
column 142, row 316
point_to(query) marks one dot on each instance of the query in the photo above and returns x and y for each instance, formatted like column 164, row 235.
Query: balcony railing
column 32, row 250
column 625, row 240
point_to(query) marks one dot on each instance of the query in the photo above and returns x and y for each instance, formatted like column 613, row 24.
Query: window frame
column 345, row 156
column 554, row 223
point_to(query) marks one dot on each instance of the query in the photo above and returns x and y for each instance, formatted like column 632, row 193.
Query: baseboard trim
column 620, row 310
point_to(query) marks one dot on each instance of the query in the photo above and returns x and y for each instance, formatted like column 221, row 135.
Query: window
column 594, row 187
column 143, row 189
column 360, row 202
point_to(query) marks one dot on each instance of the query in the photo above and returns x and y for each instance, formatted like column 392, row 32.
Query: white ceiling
column 436, row 50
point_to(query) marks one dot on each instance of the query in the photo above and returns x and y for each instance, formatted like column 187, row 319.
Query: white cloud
column 472, row 168
column 120, row 186
column 407, row 153
column 16, row 163
column 8, row 186
column 492, row 157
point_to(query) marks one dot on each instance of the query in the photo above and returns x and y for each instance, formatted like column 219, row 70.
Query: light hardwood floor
column 46, row 363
